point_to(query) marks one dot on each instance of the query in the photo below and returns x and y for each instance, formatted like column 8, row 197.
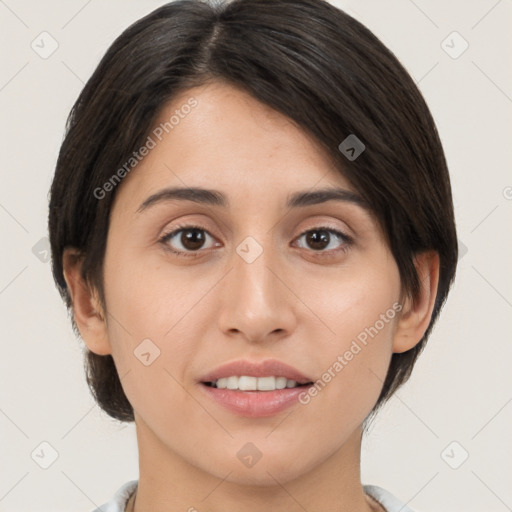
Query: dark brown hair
column 304, row 58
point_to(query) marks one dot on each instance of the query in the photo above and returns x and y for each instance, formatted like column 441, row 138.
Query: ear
column 87, row 310
column 415, row 316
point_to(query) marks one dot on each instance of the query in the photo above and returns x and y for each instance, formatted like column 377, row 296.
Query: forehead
column 219, row 136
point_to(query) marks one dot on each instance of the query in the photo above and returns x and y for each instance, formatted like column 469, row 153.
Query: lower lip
column 255, row 404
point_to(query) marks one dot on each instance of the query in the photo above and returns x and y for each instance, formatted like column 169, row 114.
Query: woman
column 252, row 223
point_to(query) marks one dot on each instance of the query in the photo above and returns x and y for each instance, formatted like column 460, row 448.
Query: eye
column 326, row 240
column 186, row 240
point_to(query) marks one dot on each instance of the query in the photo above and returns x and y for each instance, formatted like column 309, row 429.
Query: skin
column 291, row 303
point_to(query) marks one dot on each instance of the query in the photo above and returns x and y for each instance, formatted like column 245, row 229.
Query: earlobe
column 416, row 315
column 87, row 311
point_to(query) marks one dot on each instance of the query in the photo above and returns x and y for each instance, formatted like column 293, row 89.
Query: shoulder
column 120, row 498
column 390, row 502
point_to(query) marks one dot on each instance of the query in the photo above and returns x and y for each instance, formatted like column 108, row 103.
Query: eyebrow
column 216, row 198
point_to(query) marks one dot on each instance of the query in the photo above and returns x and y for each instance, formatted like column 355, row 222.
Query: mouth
column 255, row 389
column 251, row 383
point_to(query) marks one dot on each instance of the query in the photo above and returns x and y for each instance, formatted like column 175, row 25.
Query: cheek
column 152, row 338
column 354, row 299
column 353, row 371
column 147, row 300
column 145, row 316
column 359, row 310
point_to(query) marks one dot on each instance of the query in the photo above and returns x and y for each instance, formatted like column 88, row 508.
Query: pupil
column 318, row 239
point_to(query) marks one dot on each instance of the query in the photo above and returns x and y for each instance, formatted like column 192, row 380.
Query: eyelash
column 347, row 240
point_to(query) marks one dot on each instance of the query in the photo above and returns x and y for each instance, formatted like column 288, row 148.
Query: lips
column 266, row 368
column 251, row 401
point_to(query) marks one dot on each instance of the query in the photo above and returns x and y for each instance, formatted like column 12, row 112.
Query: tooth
column 232, row 383
column 222, row 383
column 266, row 383
column 280, row 382
column 246, row 383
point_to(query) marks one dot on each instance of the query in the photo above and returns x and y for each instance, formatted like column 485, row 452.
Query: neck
column 168, row 482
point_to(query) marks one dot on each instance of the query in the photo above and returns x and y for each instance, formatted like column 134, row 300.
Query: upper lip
column 268, row 367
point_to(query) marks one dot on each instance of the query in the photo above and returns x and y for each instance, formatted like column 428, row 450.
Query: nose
column 256, row 302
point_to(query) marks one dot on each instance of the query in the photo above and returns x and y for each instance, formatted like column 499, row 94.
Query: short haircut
column 306, row 59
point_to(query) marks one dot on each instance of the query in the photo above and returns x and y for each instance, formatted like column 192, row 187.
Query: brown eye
column 325, row 239
column 318, row 240
column 192, row 239
column 186, row 239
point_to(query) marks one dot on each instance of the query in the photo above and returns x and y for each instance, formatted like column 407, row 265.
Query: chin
column 268, row 470
column 262, row 477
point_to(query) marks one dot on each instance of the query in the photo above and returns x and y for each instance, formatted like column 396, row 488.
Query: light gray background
column 460, row 390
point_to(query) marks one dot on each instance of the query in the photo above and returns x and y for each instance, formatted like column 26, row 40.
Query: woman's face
column 250, row 284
